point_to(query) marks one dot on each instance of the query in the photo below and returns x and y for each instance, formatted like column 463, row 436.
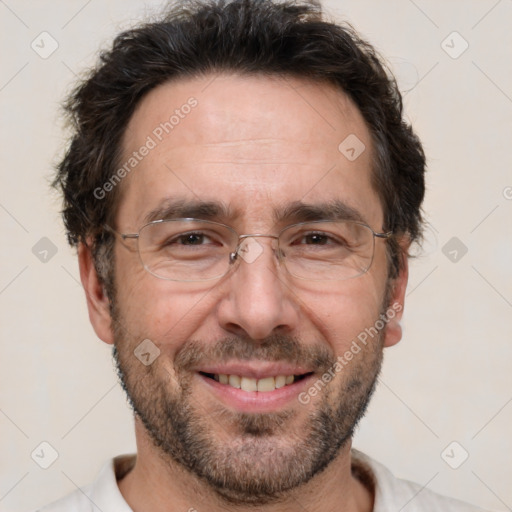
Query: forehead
column 253, row 143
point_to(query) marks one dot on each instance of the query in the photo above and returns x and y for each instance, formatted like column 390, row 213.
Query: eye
column 316, row 239
column 319, row 238
column 181, row 238
column 197, row 238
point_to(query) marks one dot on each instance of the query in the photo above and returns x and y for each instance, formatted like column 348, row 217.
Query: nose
column 258, row 299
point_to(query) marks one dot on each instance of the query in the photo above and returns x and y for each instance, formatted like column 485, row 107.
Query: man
column 243, row 193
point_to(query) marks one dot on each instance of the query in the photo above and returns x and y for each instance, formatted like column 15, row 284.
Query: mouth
column 255, row 388
column 250, row 384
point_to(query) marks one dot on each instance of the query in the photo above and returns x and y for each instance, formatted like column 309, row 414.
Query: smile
column 250, row 384
column 255, row 387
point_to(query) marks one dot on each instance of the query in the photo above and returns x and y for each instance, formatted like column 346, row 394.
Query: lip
column 255, row 370
column 256, row 401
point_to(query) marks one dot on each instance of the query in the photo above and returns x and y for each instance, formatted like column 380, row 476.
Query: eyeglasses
column 200, row 250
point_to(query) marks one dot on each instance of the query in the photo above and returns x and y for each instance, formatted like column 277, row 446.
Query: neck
column 158, row 484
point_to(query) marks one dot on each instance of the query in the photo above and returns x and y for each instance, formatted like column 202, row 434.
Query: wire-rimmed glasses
column 188, row 249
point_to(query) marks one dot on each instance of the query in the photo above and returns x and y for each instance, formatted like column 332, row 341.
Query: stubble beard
column 262, row 457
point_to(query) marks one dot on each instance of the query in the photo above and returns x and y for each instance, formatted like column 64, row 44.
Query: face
column 256, row 148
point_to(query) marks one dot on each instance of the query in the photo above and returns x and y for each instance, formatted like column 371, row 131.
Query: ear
column 97, row 300
column 396, row 303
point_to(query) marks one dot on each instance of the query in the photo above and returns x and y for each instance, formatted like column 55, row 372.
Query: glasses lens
column 324, row 251
column 186, row 250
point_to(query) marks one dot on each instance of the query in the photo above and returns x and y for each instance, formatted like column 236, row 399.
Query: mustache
column 274, row 348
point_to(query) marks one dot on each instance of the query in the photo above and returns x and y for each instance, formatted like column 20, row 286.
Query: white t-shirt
column 391, row 494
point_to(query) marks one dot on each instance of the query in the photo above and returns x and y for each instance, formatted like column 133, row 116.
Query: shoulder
column 102, row 495
column 77, row 501
column 393, row 493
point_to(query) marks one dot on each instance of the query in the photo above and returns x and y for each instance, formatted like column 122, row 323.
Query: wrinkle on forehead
column 237, row 142
column 258, row 151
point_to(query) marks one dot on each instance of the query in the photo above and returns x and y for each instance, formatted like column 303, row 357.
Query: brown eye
column 316, row 239
column 192, row 239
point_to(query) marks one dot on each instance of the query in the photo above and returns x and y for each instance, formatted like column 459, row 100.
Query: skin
column 256, row 144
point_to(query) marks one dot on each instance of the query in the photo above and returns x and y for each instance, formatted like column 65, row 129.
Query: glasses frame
column 233, row 256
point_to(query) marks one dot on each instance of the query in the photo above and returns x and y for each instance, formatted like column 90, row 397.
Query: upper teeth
column 249, row 384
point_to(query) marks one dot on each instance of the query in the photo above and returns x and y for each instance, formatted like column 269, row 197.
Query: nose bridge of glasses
column 255, row 235
column 248, row 249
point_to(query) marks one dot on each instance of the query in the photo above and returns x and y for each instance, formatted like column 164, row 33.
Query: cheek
column 141, row 299
column 342, row 312
column 163, row 311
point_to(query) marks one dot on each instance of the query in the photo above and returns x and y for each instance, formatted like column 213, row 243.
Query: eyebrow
column 299, row 211
column 295, row 212
column 172, row 208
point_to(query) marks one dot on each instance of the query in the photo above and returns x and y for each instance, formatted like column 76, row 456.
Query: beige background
column 449, row 379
